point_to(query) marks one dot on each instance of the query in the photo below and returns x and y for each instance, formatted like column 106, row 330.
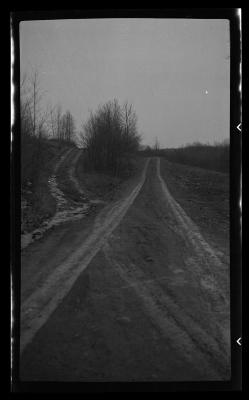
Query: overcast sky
column 174, row 71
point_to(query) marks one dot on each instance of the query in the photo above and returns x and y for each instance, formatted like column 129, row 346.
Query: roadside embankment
column 37, row 202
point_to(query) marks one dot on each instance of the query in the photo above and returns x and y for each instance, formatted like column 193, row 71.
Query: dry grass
column 204, row 195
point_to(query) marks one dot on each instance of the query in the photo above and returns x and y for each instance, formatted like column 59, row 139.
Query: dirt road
column 133, row 294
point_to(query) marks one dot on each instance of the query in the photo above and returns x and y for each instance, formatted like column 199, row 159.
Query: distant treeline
column 214, row 157
column 109, row 138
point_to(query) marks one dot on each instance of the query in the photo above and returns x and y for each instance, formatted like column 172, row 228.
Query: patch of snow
column 64, row 211
column 60, row 217
column 56, row 193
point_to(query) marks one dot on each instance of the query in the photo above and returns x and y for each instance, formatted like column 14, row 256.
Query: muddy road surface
column 132, row 293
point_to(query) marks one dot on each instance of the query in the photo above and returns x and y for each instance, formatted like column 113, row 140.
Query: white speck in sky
column 206, row 92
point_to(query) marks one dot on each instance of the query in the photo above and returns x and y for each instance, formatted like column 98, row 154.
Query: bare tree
column 65, row 126
column 33, row 126
column 69, row 127
column 131, row 137
column 58, row 122
column 52, row 121
column 157, row 145
column 36, row 95
column 25, row 108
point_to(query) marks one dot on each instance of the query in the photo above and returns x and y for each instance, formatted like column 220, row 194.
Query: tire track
column 182, row 333
column 204, row 260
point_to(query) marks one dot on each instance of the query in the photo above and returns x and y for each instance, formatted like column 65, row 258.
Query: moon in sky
column 206, row 92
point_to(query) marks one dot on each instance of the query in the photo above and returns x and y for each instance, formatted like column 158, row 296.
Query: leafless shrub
column 109, row 136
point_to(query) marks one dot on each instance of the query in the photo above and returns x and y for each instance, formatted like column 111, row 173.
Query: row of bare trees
column 38, row 123
column 109, row 136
